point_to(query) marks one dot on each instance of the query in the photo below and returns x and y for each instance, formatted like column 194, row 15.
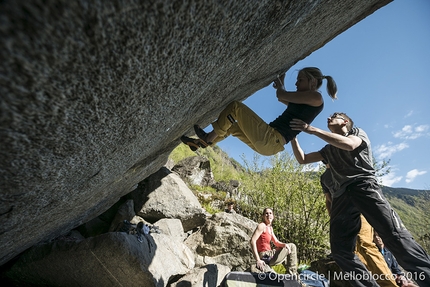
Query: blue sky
column 382, row 68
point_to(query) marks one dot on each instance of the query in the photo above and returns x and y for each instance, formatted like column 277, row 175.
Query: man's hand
column 401, row 281
column 299, row 125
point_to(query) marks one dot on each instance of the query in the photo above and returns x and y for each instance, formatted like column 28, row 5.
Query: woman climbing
column 268, row 139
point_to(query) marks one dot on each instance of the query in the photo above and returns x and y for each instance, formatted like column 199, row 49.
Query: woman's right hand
column 261, row 264
column 278, row 83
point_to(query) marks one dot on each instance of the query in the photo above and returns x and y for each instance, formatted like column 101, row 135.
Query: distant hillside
column 413, row 206
column 406, row 194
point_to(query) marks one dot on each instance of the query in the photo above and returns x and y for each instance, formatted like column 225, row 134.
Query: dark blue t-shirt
column 391, row 261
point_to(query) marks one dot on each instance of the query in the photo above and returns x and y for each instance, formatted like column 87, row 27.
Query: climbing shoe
column 194, row 144
column 202, row 136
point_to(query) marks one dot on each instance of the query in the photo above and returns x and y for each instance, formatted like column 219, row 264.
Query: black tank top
column 295, row 111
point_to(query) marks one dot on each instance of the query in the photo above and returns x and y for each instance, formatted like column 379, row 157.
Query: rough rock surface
column 125, row 212
column 95, row 94
column 165, row 195
column 224, row 239
column 111, row 259
column 195, row 170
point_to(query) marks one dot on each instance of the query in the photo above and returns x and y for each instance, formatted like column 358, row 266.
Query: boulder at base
column 111, row 259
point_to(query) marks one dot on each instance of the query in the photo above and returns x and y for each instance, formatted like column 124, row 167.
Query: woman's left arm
column 277, row 242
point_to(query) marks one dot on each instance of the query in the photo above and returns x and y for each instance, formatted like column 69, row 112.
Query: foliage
column 208, row 197
column 425, row 241
column 223, row 167
column 424, row 232
column 413, row 207
column 209, row 208
column 297, row 200
column 181, row 152
column 280, row 269
column 381, row 168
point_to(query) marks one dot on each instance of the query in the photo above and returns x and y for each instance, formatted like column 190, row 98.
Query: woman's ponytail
column 331, row 87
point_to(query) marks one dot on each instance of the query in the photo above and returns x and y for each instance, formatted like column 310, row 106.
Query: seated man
column 264, row 255
column 230, row 207
column 392, row 263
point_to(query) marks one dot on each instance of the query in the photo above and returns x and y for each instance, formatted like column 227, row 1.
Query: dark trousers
column 366, row 197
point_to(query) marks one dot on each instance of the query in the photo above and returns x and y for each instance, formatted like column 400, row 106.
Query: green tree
column 382, row 168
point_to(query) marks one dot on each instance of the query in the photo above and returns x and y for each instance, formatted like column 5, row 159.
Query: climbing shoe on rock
column 202, row 136
column 194, row 144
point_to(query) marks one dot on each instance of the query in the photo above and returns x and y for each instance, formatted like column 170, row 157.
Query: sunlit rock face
column 95, row 94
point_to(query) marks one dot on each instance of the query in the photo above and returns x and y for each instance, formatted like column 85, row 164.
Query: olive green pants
column 240, row 121
column 282, row 255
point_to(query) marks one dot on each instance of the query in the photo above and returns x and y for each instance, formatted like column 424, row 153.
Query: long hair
column 315, row 73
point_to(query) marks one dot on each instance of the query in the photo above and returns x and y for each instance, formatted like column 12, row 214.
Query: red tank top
column 263, row 242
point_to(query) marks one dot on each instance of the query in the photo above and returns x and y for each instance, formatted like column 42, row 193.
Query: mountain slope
column 413, row 206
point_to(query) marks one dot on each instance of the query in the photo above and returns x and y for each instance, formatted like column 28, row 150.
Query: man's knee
column 234, row 105
column 293, row 252
column 292, row 247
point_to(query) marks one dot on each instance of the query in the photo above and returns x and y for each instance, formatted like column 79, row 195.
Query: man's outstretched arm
column 348, row 143
column 301, row 157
